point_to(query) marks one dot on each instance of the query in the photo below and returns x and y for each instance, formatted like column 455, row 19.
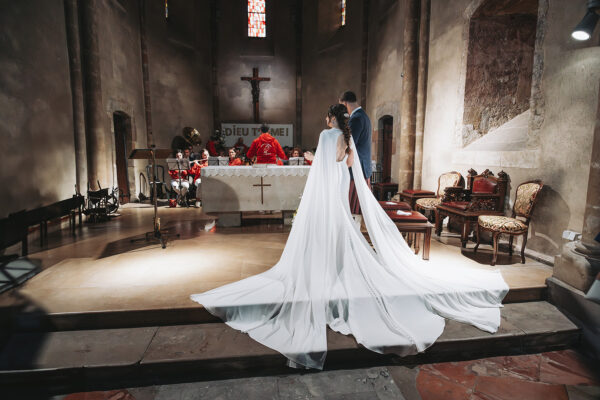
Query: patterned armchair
column 449, row 179
column 485, row 194
column 525, row 199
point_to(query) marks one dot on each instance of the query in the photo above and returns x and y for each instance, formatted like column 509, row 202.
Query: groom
column 360, row 127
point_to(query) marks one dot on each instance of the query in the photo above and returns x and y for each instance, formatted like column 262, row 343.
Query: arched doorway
column 122, row 127
column 385, row 127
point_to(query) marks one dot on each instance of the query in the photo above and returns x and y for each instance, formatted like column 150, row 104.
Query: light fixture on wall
column 584, row 29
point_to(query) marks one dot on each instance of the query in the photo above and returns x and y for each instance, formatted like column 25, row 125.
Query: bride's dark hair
column 340, row 112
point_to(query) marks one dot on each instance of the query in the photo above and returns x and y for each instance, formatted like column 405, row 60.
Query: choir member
column 266, row 148
column 179, row 181
column 241, row 146
column 233, row 159
column 195, row 171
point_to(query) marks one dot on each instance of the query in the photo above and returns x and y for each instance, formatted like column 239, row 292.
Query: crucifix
column 255, row 81
column 262, row 185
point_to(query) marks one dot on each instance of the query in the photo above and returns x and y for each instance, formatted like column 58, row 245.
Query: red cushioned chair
column 484, row 195
column 425, row 200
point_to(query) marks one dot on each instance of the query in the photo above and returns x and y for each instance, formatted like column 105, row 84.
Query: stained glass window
column 257, row 24
column 343, row 10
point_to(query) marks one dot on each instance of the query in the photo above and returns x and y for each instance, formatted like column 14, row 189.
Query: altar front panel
column 234, row 189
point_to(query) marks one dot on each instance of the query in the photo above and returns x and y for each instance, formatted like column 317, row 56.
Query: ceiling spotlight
column 584, row 29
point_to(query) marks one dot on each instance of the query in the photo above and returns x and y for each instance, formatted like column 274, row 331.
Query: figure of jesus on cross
column 255, row 81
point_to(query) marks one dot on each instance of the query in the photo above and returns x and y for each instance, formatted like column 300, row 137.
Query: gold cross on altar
column 262, row 185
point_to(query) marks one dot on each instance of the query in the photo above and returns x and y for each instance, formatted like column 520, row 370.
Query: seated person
column 241, row 146
column 299, row 153
column 179, row 181
column 309, row 156
column 195, row 172
column 266, row 148
column 233, row 159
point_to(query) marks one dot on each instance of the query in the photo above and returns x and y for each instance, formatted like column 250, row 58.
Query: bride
column 328, row 275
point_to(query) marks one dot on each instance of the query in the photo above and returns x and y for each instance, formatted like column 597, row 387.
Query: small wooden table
column 416, row 224
column 411, row 196
column 468, row 219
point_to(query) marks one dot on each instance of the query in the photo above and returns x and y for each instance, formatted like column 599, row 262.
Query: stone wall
column 331, row 61
column 384, row 89
column 122, row 91
column 179, row 64
column 564, row 99
column 274, row 56
column 36, row 121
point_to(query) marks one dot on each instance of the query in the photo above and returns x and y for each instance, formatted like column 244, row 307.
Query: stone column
column 298, row 28
column 214, row 62
column 94, row 114
column 579, row 262
column 421, row 90
column 408, row 107
column 145, row 73
column 74, row 50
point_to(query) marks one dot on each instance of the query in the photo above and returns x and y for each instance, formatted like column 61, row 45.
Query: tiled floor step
column 90, row 358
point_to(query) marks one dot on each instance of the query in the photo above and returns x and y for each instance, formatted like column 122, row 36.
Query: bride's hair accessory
column 340, row 112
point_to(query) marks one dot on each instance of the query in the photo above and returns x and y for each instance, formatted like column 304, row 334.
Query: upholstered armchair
column 484, row 195
column 449, row 179
column 526, row 197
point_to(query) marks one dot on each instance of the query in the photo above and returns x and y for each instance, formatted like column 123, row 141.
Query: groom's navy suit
column 360, row 127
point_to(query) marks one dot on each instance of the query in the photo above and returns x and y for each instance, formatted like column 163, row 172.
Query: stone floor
column 553, row 375
column 102, row 270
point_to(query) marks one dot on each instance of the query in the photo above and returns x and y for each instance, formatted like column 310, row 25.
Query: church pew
column 13, row 230
column 42, row 215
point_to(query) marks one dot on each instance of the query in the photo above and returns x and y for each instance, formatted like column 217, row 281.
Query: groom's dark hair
column 348, row 97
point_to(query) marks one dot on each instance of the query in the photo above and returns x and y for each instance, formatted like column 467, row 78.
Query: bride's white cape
column 329, row 275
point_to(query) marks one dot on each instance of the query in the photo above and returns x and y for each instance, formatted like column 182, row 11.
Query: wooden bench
column 41, row 216
column 12, row 231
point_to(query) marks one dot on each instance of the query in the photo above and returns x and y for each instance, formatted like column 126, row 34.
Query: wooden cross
column 262, row 185
column 255, row 81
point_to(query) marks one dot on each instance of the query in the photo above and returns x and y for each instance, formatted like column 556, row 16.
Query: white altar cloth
column 245, row 188
column 270, row 170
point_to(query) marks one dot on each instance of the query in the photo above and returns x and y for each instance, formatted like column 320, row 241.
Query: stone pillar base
column 583, row 312
column 574, row 268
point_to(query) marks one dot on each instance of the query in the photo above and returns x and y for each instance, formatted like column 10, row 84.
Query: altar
column 228, row 191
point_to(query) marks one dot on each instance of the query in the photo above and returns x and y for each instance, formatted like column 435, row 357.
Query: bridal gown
column 328, row 275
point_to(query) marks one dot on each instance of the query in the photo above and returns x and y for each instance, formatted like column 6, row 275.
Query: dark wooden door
column 121, row 132
column 387, row 151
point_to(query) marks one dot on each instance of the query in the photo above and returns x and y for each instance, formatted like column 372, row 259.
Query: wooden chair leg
column 523, row 247
column 417, row 240
column 438, row 222
column 510, row 245
column 496, row 235
column 464, row 237
column 478, row 233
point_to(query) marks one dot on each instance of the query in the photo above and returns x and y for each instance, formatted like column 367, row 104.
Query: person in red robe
column 265, row 148
column 233, row 159
column 241, row 146
column 179, row 181
column 211, row 147
column 195, row 172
